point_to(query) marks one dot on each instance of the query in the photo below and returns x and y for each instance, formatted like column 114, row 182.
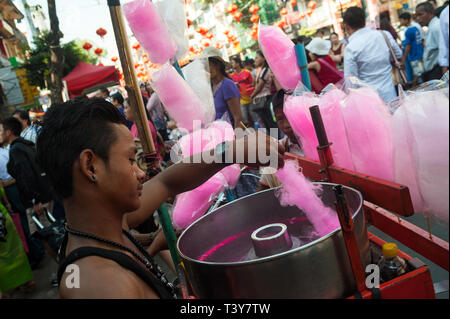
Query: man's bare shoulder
column 100, row 278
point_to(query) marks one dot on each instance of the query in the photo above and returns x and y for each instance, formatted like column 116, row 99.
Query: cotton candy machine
column 255, row 248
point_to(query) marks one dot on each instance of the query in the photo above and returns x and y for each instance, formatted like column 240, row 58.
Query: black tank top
column 122, row 259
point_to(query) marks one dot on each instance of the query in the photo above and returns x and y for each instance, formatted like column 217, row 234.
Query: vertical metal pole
column 137, row 104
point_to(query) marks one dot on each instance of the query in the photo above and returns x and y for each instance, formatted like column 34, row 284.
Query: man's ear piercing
column 94, row 176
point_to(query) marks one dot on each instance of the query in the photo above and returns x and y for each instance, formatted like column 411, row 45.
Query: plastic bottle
column 391, row 265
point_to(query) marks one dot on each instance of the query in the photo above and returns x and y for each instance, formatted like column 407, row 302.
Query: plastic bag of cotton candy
column 179, row 99
column 421, row 135
column 150, row 30
column 296, row 109
column 191, row 205
column 173, row 13
column 279, row 53
column 196, row 75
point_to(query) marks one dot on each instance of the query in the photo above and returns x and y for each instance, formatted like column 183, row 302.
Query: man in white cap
column 321, row 61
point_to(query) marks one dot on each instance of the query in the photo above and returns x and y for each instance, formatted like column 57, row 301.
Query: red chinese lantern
column 114, row 58
column 309, row 12
column 283, row 11
column 101, row 32
column 146, row 61
column 293, row 2
column 87, row 46
column 209, row 35
column 144, row 55
column 98, row 51
column 312, row 5
column 198, row 30
column 254, row 18
column 302, row 16
column 137, row 65
column 237, row 16
column 100, row 64
column 136, row 46
column 234, row 8
column 219, row 46
column 253, row 8
column 226, row 32
column 206, row 44
column 189, row 22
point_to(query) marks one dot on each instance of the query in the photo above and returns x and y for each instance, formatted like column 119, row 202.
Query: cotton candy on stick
column 296, row 109
column 178, row 98
column 404, row 166
column 333, row 121
column 298, row 191
column 428, row 116
column 150, row 30
column 279, row 52
column 191, row 205
column 368, row 125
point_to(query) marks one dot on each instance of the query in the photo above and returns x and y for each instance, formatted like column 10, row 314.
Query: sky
column 79, row 19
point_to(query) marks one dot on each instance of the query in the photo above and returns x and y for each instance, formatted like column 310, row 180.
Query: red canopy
column 86, row 75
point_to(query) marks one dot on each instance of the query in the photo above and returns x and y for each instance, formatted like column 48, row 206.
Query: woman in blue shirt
column 226, row 93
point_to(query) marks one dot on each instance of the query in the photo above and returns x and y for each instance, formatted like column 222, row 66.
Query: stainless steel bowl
column 221, row 262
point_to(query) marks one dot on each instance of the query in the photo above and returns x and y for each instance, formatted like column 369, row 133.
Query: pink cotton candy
column 333, row 121
column 298, row 191
column 280, row 54
column 150, row 30
column 296, row 109
column 178, row 98
column 191, row 205
column 404, row 167
column 428, row 117
column 368, row 125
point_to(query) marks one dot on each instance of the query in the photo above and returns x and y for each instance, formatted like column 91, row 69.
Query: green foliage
column 269, row 12
column 37, row 64
column 307, row 32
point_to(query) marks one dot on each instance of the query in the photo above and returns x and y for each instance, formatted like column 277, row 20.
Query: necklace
column 148, row 262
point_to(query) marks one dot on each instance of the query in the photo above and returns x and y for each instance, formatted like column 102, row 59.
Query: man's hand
column 38, row 208
column 258, row 149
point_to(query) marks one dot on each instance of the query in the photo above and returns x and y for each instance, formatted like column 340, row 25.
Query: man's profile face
column 423, row 17
column 120, row 180
column 4, row 137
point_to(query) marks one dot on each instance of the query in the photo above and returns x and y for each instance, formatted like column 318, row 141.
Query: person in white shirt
column 443, row 44
column 426, row 17
column 367, row 54
column 29, row 131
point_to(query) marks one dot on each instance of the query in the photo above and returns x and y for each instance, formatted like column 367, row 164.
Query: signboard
column 29, row 92
column 10, row 83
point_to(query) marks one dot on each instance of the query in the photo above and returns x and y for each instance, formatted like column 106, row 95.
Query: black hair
column 104, row 90
column 278, row 100
column 221, row 66
column 68, row 129
column 23, row 115
column 12, row 124
column 405, row 16
column 250, row 62
column 127, row 100
column 117, row 97
column 261, row 54
column 385, row 24
column 238, row 60
column 355, row 18
column 334, row 33
column 427, row 7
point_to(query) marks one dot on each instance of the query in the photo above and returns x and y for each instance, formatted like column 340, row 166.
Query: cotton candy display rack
column 255, row 248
